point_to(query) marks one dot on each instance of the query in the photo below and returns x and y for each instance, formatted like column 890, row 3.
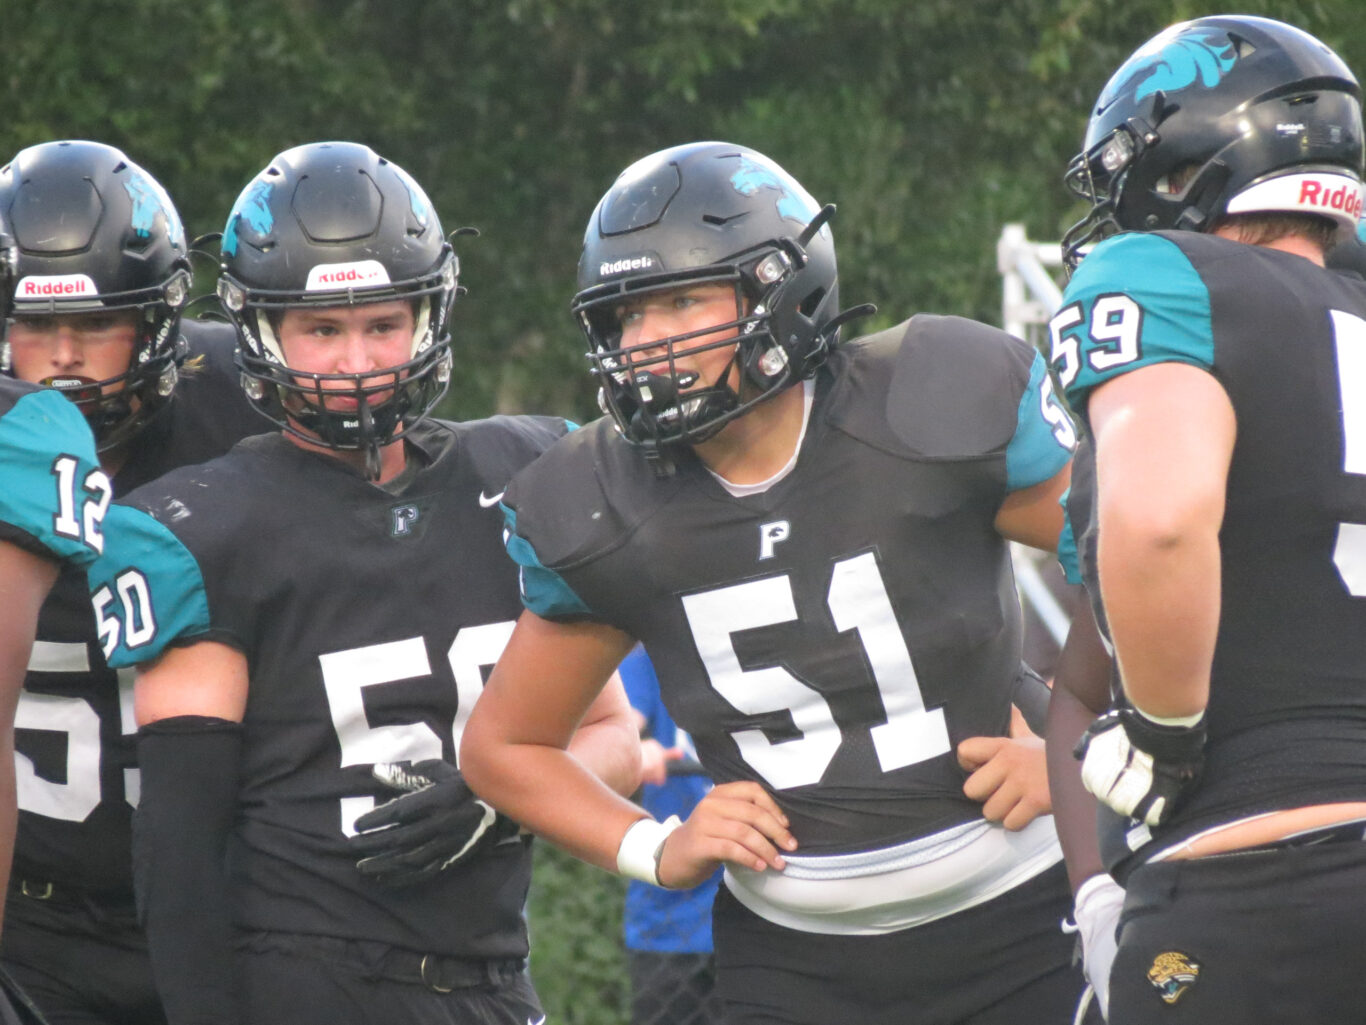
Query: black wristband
column 1176, row 745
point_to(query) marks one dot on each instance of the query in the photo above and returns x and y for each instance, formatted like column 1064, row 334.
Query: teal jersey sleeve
column 54, row 495
column 1044, row 434
column 544, row 591
column 1134, row 301
column 147, row 590
column 1069, row 559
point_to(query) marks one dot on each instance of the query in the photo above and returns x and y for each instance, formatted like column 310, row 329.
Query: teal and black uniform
column 369, row 617
column 54, row 495
column 833, row 637
column 1287, row 711
column 71, row 900
column 1287, row 341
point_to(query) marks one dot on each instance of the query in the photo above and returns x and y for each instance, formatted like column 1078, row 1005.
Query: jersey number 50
column 347, row 673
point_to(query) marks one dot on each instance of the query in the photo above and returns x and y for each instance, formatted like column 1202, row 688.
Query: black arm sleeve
column 190, row 770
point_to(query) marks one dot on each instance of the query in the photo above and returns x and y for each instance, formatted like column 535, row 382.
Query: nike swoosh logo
column 488, row 502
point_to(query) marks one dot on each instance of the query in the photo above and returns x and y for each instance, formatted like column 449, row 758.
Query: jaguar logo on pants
column 1172, row 974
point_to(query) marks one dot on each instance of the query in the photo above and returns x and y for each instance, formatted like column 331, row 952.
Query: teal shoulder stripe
column 544, row 591
column 1136, row 300
column 53, row 488
column 147, row 589
column 1044, row 436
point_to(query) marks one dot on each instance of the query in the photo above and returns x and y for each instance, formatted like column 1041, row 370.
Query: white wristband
column 638, row 855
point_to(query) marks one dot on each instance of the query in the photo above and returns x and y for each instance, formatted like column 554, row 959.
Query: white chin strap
column 269, row 342
column 423, row 327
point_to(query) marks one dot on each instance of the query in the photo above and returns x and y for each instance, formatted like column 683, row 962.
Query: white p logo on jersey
column 771, row 534
column 404, row 516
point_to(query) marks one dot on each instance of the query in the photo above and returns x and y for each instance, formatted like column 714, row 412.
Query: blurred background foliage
column 930, row 123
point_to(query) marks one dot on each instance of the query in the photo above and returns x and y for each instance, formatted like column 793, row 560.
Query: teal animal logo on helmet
column 254, row 208
column 1171, row 64
column 753, row 176
column 150, row 199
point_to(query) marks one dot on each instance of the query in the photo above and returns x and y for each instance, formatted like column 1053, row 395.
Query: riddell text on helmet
column 53, row 285
column 326, row 276
column 625, row 264
column 1346, row 198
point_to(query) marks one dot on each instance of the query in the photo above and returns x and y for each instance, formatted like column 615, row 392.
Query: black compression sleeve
column 190, row 770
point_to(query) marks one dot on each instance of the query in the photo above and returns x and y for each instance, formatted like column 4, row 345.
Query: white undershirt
column 741, row 490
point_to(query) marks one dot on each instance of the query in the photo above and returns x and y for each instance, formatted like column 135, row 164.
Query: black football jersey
column 835, row 636
column 74, row 750
column 1287, row 341
column 369, row 617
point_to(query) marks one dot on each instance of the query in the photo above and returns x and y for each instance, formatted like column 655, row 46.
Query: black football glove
column 1138, row 767
column 435, row 823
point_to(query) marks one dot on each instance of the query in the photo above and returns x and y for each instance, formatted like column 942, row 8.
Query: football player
column 810, row 539
column 314, row 613
column 1221, row 372
column 53, row 496
column 101, row 277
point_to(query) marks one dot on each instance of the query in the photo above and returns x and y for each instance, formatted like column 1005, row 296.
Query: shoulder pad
column 498, row 447
column 585, row 496
column 935, row 387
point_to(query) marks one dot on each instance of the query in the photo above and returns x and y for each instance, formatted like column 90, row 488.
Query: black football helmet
column 335, row 224
column 9, row 263
column 91, row 230
column 702, row 213
column 1221, row 115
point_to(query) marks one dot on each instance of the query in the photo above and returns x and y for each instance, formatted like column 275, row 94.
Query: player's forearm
column 552, row 794
column 1162, row 597
column 1081, row 690
column 610, row 750
column 1074, row 808
column 25, row 580
column 9, row 813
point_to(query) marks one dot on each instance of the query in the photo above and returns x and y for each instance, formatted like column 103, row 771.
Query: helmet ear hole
column 812, row 302
column 1176, row 180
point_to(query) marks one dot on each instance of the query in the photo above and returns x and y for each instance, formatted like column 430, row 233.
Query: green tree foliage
column 930, row 123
